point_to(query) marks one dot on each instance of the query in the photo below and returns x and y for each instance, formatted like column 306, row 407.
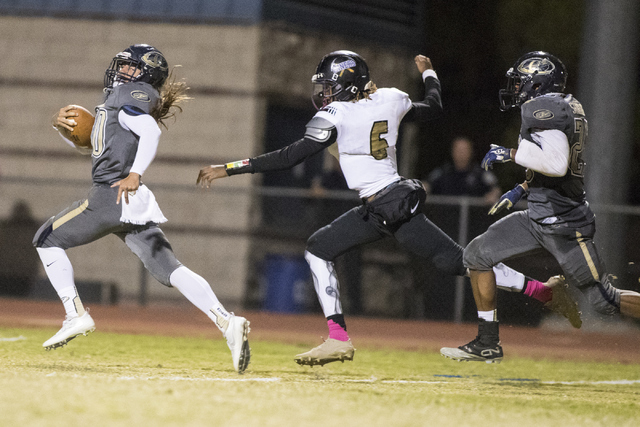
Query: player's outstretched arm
column 209, row 173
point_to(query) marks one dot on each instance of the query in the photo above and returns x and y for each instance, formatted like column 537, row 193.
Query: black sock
column 339, row 319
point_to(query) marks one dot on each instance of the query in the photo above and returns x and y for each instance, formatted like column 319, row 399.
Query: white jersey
column 367, row 136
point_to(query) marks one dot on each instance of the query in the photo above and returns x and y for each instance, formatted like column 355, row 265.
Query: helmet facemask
column 123, row 70
column 327, row 91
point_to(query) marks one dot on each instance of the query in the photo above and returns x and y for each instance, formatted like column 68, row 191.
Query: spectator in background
column 464, row 176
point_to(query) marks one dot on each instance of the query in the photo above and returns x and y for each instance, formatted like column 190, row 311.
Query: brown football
column 81, row 134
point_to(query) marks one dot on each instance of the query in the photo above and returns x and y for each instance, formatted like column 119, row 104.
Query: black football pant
column 417, row 235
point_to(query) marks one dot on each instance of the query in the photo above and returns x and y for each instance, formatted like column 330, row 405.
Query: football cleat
column 562, row 302
column 238, row 341
column 71, row 328
column 475, row 351
column 331, row 350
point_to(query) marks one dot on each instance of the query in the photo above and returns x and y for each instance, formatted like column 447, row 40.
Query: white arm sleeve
column 81, row 150
column 428, row 73
column 149, row 132
column 548, row 154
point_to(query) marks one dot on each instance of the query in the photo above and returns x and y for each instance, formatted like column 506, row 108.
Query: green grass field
column 135, row 380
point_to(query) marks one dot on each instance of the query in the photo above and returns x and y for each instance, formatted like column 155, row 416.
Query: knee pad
column 155, row 252
column 603, row 297
column 320, row 247
column 473, row 258
column 451, row 265
column 43, row 232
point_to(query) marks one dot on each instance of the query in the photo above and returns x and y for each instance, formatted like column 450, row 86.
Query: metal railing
column 464, row 206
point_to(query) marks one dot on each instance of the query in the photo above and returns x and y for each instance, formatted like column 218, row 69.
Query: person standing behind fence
column 463, row 176
column 139, row 95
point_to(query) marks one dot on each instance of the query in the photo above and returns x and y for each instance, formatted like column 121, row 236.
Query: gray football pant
column 517, row 235
column 97, row 216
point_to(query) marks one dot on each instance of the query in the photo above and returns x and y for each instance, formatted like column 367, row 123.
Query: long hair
column 172, row 95
column 370, row 88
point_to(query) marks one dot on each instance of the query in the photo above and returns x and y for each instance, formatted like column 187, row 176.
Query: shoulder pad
column 319, row 129
column 136, row 94
column 546, row 112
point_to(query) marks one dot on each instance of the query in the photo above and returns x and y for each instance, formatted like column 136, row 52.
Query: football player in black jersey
column 558, row 219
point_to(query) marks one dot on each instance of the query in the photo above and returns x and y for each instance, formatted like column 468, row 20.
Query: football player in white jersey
column 359, row 124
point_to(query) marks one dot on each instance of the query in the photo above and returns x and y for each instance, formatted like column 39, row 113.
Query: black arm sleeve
column 291, row 155
column 430, row 107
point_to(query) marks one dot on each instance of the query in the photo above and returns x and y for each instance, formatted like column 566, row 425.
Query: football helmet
column 137, row 63
column 340, row 76
column 534, row 74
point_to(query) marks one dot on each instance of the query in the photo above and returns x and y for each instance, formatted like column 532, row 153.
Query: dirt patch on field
column 620, row 344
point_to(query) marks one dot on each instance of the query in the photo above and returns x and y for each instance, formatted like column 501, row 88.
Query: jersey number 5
column 379, row 145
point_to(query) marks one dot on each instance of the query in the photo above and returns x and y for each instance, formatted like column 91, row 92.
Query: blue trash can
column 288, row 282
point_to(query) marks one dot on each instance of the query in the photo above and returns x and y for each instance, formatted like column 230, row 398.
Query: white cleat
column 71, row 328
column 331, row 350
column 237, row 339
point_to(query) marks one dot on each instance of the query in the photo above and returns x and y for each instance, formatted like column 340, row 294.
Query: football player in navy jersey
column 358, row 123
column 139, row 95
column 558, row 219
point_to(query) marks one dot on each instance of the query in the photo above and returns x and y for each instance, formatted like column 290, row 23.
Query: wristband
column 241, row 166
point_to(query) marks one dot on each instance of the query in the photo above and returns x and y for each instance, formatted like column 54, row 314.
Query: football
column 81, row 134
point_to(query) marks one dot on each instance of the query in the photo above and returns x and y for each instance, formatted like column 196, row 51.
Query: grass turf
column 123, row 380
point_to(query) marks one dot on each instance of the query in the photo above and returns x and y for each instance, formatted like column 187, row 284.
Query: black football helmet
column 340, row 76
column 149, row 61
column 534, row 74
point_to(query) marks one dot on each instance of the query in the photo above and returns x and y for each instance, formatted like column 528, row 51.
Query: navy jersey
column 558, row 199
column 114, row 147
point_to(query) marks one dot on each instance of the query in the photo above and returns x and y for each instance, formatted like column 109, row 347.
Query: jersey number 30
column 97, row 135
column 379, row 145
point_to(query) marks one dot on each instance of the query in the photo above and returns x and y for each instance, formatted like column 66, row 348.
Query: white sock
column 198, row 291
column 489, row 316
column 60, row 273
column 326, row 284
column 508, row 279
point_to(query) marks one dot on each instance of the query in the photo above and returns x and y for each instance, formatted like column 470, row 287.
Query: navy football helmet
column 534, row 74
column 146, row 64
column 340, row 76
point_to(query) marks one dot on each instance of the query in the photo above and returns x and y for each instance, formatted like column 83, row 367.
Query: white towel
column 142, row 208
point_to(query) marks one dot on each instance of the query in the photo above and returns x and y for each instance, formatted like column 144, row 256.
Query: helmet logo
column 153, row 59
column 536, row 66
column 349, row 63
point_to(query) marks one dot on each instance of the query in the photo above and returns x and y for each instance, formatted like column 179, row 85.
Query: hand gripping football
column 81, row 134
